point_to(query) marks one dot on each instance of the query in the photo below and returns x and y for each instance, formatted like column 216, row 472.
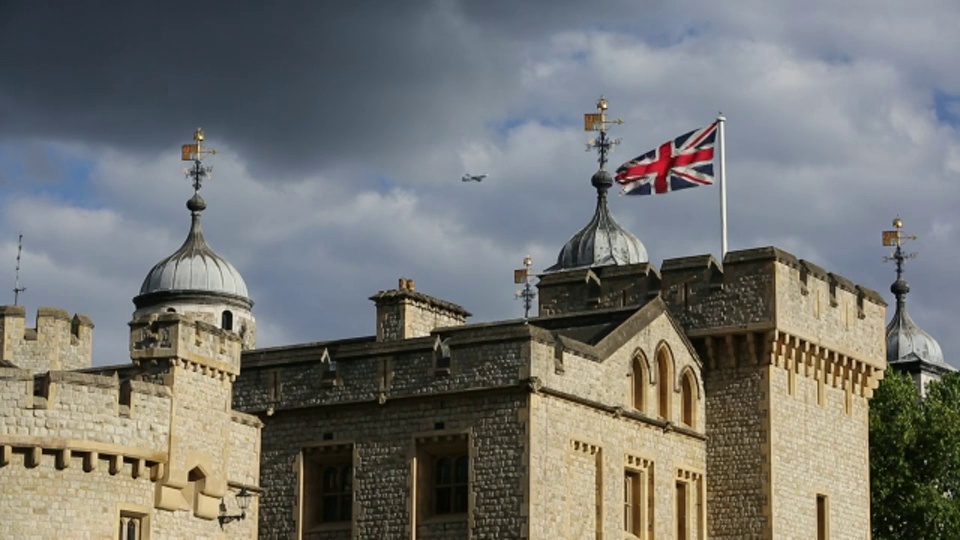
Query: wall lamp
column 243, row 502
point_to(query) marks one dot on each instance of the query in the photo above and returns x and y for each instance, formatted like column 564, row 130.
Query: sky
column 343, row 129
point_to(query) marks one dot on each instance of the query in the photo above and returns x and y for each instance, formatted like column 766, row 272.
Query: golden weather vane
column 896, row 238
column 194, row 152
column 527, row 294
column 598, row 122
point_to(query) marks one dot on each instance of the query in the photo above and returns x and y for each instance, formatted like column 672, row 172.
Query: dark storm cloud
column 309, row 84
column 370, row 111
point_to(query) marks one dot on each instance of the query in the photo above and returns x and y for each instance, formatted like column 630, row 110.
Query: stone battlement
column 74, row 412
column 59, row 341
column 755, row 290
column 194, row 343
column 768, row 288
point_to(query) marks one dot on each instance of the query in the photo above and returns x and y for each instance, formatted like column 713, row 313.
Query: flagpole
column 722, row 178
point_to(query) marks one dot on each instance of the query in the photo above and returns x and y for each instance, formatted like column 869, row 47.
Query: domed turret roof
column 195, row 267
column 602, row 242
column 906, row 342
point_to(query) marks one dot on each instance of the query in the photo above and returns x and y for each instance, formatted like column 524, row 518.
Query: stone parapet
column 72, row 412
column 767, row 288
column 596, row 288
column 59, row 341
column 453, row 359
column 176, row 337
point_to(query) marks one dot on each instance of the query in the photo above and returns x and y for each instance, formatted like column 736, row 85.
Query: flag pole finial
column 598, row 122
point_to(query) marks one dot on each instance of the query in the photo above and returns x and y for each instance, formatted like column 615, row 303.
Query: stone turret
column 59, row 341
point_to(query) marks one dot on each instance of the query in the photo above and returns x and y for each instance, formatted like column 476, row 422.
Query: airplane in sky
column 472, row 177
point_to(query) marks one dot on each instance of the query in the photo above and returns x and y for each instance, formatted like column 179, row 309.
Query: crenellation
column 58, row 341
column 168, row 336
column 84, row 410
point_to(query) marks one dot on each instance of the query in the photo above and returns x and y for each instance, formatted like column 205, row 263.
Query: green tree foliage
column 915, row 459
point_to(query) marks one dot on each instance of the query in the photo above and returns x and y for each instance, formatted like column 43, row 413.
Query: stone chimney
column 404, row 313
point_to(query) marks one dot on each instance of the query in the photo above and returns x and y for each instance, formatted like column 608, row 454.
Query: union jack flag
column 684, row 162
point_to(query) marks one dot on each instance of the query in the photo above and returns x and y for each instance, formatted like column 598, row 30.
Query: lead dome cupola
column 907, row 343
column 195, row 266
column 603, row 241
column 194, row 277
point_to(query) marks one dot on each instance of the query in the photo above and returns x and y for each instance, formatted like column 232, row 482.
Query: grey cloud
column 829, row 137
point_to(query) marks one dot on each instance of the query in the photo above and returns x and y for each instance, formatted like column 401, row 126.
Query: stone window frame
column 274, row 385
column 226, row 320
column 689, row 397
column 823, row 516
column 427, row 448
column 643, row 493
column 695, row 504
column 592, row 451
column 639, row 379
column 136, row 512
column 666, row 381
column 312, row 459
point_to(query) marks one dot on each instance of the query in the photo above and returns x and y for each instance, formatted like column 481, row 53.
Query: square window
column 451, row 480
column 134, row 524
column 443, row 476
column 327, row 486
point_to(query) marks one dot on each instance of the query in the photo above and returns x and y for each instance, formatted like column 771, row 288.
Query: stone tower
column 790, row 356
column 192, row 321
column 151, row 449
column 197, row 282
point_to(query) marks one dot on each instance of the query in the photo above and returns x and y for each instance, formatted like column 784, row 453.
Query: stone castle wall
column 81, row 412
column 585, row 433
column 762, row 316
column 736, row 426
column 819, row 446
column 57, row 342
column 85, row 451
column 386, row 400
column 366, row 371
column 384, row 447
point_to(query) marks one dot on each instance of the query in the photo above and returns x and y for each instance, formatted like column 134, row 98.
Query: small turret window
column 226, row 320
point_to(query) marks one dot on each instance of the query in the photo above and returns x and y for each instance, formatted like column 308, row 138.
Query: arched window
column 664, row 382
column 226, row 320
column 638, row 383
column 688, row 399
column 171, row 310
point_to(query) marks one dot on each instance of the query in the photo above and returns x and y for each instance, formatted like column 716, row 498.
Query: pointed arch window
column 688, row 399
column 638, row 383
column 665, row 382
